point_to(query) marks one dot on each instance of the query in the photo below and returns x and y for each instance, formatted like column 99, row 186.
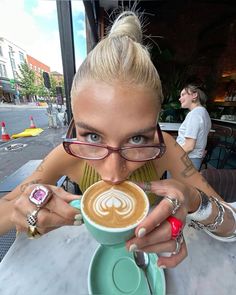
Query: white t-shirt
column 196, row 125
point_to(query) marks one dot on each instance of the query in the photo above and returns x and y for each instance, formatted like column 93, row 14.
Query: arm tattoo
column 189, row 168
column 25, row 185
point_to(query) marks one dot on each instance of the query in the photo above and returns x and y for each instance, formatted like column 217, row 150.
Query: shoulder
column 56, row 164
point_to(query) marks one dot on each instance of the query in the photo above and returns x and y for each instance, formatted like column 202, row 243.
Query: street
column 17, row 119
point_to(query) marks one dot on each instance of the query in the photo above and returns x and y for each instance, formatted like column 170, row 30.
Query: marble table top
column 58, row 263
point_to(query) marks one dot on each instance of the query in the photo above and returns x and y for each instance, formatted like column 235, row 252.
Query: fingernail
column 141, row 232
column 162, row 266
column 78, row 217
column 165, row 254
column 78, row 222
column 133, row 247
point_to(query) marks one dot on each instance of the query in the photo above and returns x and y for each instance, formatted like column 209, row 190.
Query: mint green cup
column 108, row 235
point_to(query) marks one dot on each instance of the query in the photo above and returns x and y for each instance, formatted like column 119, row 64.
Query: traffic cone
column 32, row 125
column 5, row 136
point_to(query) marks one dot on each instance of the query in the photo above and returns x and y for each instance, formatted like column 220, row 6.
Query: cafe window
column 13, row 63
column 11, row 52
column 21, row 56
column 3, row 72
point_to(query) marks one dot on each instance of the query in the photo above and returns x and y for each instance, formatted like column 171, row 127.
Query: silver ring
column 174, row 202
column 179, row 240
column 32, row 218
column 147, row 186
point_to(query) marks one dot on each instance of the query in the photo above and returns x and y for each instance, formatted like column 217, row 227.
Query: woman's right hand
column 55, row 213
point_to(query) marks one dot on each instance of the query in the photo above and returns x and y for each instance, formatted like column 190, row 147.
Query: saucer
column 113, row 271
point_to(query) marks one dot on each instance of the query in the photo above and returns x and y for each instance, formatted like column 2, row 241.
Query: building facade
column 11, row 57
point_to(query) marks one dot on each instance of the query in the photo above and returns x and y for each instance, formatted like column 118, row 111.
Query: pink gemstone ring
column 40, row 196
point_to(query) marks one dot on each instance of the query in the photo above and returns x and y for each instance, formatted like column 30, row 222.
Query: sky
column 33, row 26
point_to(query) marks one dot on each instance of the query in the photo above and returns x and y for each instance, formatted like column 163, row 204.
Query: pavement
column 22, row 105
column 31, row 148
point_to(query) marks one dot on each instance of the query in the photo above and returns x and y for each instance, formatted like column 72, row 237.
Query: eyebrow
column 138, row 132
column 86, row 126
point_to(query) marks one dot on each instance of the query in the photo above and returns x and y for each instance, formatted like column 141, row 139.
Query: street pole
column 67, row 48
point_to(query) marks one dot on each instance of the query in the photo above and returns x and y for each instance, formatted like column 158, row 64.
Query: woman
column 116, row 100
column 193, row 132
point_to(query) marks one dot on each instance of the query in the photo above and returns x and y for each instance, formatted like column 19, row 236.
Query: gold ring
column 33, row 232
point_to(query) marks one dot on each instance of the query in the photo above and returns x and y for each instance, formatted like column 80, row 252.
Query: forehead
column 114, row 101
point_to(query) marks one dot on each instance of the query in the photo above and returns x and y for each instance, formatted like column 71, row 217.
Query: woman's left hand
column 154, row 234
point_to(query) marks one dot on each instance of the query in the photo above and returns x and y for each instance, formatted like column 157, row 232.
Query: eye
column 138, row 139
column 92, row 137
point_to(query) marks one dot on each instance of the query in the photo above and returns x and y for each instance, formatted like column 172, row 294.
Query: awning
column 6, row 86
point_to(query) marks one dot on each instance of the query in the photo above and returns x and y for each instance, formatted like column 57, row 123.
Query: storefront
column 7, row 91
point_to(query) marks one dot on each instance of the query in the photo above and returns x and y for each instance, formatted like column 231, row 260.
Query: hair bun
column 127, row 24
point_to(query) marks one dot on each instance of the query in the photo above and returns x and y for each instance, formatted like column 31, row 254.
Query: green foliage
column 53, row 86
column 27, row 80
column 41, row 89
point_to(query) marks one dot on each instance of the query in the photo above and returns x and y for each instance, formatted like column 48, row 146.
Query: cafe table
column 169, row 127
column 58, row 263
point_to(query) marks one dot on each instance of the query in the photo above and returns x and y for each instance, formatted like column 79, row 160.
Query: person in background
column 116, row 101
column 193, row 132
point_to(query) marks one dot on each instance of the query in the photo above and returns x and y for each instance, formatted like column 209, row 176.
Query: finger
column 61, row 193
column 62, row 208
column 174, row 260
column 160, row 234
column 57, row 204
column 163, row 187
column 47, row 219
column 164, row 247
column 154, row 219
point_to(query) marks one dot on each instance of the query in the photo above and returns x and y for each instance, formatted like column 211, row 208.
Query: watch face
column 39, row 196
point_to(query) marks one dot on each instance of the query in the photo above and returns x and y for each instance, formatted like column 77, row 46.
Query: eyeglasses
column 90, row 151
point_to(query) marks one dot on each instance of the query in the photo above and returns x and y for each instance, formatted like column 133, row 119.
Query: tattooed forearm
column 189, row 169
column 205, row 182
column 40, row 168
column 25, row 185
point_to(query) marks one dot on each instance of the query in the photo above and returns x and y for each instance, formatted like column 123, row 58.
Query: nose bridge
column 115, row 166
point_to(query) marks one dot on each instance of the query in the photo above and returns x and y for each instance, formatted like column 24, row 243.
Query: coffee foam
column 115, row 206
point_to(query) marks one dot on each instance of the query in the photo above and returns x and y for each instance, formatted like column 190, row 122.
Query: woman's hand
column 154, row 233
column 55, row 213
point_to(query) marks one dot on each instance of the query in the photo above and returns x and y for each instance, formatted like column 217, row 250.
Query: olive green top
column 145, row 173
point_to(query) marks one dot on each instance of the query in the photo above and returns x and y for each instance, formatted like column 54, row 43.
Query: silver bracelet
column 217, row 222
column 204, row 210
column 227, row 205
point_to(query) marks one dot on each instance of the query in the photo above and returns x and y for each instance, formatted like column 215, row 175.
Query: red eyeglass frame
column 161, row 145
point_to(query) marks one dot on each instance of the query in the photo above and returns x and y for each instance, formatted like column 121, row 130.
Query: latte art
column 114, row 201
column 115, row 206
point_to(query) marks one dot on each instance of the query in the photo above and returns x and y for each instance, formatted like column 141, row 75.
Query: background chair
column 219, row 146
column 223, row 182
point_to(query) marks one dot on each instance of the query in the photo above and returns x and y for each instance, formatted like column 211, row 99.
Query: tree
column 53, row 86
column 42, row 91
column 27, row 81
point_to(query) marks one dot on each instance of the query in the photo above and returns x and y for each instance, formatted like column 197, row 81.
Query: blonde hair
column 120, row 56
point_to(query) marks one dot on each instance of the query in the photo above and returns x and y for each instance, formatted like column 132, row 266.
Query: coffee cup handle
column 76, row 204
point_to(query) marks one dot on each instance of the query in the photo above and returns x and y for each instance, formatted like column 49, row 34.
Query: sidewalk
column 35, row 148
column 22, row 105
